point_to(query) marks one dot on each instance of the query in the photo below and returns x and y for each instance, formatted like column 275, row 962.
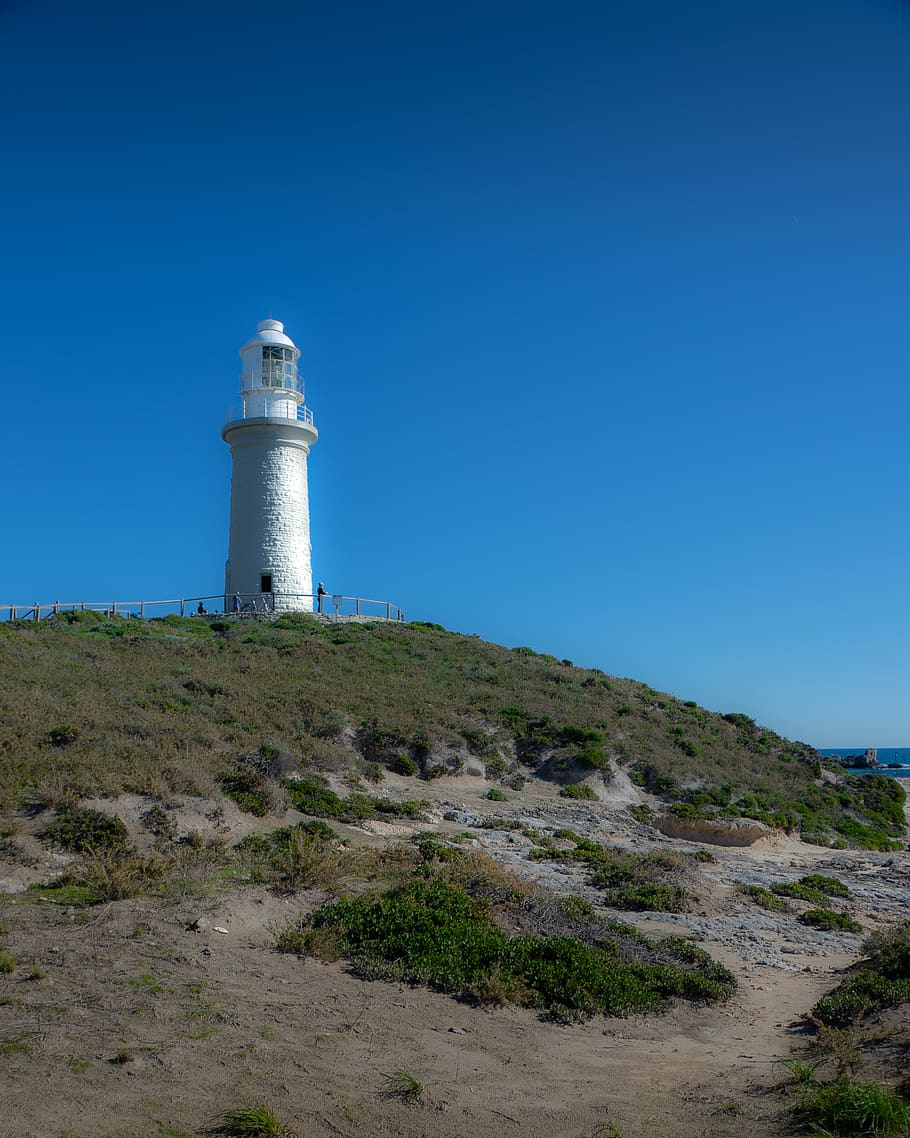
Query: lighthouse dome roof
column 269, row 332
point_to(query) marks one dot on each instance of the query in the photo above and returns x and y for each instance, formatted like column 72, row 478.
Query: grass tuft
column 404, row 1086
column 855, row 1110
column 248, row 1122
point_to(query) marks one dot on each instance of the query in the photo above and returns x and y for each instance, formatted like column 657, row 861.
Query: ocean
column 900, row 756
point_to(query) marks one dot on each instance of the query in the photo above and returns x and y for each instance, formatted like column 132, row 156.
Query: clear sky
column 602, row 305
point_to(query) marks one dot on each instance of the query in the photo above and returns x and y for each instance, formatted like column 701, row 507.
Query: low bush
column 882, row 980
column 799, row 892
column 579, row 790
column 431, row 932
column 84, row 829
column 248, row 789
column 764, row 898
column 312, row 797
column 404, row 764
column 830, row 921
column 829, row 885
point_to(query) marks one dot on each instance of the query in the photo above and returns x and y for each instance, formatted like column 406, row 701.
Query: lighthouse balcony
column 273, row 409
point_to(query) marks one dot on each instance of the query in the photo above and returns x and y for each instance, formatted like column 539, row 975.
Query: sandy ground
column 215, row 1019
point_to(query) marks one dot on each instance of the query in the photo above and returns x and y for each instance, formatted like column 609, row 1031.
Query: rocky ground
column 145, row 1017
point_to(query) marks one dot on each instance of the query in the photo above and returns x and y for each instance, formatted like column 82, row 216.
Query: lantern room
column 269, row 384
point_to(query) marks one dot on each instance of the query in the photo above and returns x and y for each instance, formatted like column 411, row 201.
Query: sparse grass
column 802, row 1071
column 634, row 882
column 248, row 1122
column 113, row 706
column 8, row 962
column 146, row 983
column 294, row 857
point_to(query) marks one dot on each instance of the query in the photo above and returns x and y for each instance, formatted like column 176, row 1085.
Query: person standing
column 320, row 593
column 235, row 603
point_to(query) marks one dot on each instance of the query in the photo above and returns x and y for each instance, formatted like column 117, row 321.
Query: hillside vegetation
column 93, row 706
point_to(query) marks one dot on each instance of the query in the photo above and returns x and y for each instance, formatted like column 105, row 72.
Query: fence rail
column 233, row 605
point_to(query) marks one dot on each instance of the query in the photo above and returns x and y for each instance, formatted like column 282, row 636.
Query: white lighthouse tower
column 270, row 435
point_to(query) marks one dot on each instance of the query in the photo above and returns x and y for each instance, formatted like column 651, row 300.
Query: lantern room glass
column 278, row 368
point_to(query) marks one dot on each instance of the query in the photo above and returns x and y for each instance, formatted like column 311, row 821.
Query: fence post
column 357, row 606
column 37, row 611
column 142, row 610
column 182, row 613
column 113, row 608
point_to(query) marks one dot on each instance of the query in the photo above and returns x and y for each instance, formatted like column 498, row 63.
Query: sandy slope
column 214, row 1019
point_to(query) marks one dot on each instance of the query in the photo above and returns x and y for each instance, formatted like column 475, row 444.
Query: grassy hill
column 94, row 706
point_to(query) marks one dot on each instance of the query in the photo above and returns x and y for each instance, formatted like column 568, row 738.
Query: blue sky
column 602, row 306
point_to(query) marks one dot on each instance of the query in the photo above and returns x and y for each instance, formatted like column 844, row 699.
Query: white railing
column 282, row 410
column 236, row 605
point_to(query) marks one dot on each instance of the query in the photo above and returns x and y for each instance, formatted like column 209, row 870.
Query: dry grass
column 162, row 707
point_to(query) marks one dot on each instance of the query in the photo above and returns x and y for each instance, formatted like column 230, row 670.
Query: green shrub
column 578, row 790
column 799, row 892
column 829, row 885
column 883, row 980
column 582, row 736
column 595, row 757
column 764, row 898
column 404, row 764
column 577, row 908
column 248, row 789
column 433, row 933
column 84, row 829
column 649, row 897
column 312, row 797
column 830, row 921
column 495, row 795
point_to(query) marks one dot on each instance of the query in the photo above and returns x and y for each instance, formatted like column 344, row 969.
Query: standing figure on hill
column 235, row 603
column 320, row 593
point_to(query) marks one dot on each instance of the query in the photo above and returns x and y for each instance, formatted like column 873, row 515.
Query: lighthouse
column 270, row 434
